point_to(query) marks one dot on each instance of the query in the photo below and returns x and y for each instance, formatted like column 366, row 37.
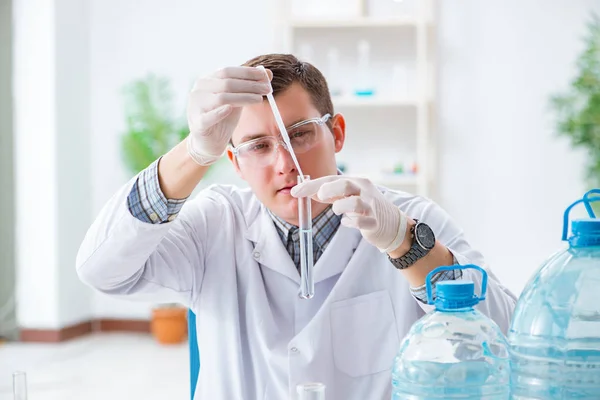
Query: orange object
column 414, row 168
column 169, row 325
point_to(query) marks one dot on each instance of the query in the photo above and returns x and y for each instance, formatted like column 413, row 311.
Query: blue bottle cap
column 586, row 232
column 585, row 227
column 452, row 295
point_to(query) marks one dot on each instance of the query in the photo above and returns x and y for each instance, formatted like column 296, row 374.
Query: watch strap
column 415, row 252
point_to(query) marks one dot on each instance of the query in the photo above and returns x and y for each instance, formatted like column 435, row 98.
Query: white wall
column 8, row 317
column 506, row 177
column 73, row 151
column 36, row 190
column 51, row 160
column 182, row 40
column 499, row 62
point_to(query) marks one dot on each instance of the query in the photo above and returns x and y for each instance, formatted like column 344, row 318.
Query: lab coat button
column 256, row 255
column 294, row 350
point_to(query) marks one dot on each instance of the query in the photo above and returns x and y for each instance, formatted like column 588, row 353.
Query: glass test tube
column 307, row 285
column 19, row 385
column 311, row 391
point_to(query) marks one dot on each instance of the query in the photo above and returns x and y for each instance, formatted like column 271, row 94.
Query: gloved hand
column 364, row 207
column 215, row 105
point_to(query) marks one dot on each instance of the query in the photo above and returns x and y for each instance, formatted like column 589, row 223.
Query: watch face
column 424, row 236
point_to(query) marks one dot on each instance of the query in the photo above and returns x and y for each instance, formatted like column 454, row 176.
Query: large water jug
column 453, row 352
column 555, row 332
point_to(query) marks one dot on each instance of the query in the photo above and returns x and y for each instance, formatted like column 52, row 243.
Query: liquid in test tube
column 307, row 285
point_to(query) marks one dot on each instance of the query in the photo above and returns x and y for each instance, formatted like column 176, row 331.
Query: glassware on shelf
column 333, row 72
column 392, row 8
column 364, row 80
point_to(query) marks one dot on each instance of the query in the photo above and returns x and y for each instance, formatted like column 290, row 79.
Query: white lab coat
column 223, row 258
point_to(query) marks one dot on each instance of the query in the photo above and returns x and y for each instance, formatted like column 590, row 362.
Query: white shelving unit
column 356, row 22
column 392, row 127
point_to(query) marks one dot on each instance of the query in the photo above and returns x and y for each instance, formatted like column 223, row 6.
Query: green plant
column 578, row 109
column 151, row 131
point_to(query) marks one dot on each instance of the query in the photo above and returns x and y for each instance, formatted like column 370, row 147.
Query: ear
column 339, row 132
column 236, row 166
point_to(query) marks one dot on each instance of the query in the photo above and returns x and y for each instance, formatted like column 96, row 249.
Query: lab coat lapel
column 268, row 249
column 338, row 253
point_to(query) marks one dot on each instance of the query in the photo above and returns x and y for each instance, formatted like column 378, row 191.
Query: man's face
column 272, row 182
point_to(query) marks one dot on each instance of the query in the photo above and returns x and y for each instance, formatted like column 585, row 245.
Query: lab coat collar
column 268, row 248
column 271, row 253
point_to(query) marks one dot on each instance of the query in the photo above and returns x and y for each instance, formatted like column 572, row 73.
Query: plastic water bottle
column 555, row 333
column 454, row 352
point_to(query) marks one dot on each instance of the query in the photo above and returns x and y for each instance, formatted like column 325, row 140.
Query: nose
column 284, row 163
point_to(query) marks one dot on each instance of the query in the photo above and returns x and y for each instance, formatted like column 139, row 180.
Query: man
column 232, row 255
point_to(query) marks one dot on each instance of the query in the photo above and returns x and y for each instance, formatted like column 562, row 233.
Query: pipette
column 307, row 286
column 281, row 126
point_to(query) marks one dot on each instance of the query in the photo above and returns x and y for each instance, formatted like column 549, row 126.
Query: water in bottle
column 555, row 332
column 454, row 352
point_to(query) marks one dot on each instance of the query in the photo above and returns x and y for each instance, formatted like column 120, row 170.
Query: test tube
column 311, row 391
column 307, row 285
column 19, row 385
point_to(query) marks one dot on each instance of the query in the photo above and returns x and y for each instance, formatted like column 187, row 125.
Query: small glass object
column 333, row 72
column 311, row 391
column 364, row 81
column 19, row 385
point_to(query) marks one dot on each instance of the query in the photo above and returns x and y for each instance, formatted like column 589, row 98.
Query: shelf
column 373, row 102
column 398, row 182
column 360, row 22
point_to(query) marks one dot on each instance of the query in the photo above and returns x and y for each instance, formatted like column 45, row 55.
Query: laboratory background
column 472, row 103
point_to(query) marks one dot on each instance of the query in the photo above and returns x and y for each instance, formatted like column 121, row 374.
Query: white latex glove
column 364, row 207
column 214, row 107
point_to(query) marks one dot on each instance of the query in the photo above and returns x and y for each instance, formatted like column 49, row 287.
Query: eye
column 260, row 146
column 298, row 134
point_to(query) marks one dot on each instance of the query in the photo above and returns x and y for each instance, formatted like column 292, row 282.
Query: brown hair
column 287, row 69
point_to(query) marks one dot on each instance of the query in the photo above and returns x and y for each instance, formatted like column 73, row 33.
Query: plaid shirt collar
column 324, row 227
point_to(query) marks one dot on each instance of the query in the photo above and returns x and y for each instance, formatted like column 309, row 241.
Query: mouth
column 286, row 189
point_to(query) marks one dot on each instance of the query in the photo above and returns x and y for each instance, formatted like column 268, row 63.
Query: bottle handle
column 453, row 267
column 586, row 200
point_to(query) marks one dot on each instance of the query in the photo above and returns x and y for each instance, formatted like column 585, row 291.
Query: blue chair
column 194, row 353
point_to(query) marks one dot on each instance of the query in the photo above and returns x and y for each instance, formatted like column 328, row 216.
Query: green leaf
column 151, row 131
column 577, row 111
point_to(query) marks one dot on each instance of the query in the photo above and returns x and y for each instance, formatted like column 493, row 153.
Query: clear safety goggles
column 261, row 152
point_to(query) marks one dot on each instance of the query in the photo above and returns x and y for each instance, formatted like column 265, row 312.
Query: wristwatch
column 423, row 241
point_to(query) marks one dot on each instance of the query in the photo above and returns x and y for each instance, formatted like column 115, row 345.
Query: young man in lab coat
column 232, row 255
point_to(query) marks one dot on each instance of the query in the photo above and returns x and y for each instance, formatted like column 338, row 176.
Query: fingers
column 311, row 187
column 337, row 189
column 205, row 102
column 234, row 85
column 351, row 206
column 247, row 73
column 359, row 222
column 267, row 72
column 206, row 120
